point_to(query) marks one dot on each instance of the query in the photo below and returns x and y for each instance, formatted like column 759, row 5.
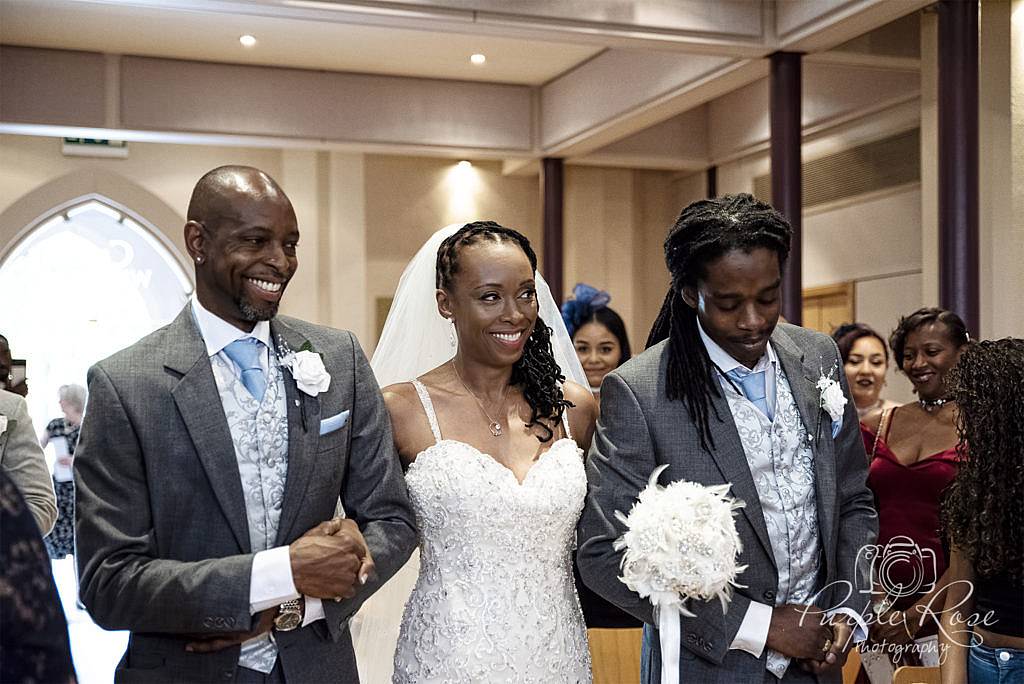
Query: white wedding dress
column 494, row 600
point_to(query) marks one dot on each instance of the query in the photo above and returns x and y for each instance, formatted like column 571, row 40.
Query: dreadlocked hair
column 536, row 372
column 983, row 511
column 705, row 231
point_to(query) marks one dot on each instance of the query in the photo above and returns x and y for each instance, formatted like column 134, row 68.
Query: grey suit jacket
column 639, row 429
column 23, row 461
column 163, row 543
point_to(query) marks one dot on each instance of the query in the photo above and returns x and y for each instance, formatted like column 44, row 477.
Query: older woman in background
column 984, row 518
column 865, row 360
column 597, row 332
column 63, row 434
column 913, row 460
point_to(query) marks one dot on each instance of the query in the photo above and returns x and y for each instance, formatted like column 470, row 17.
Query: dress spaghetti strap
column 428, row 408
column 884, row 425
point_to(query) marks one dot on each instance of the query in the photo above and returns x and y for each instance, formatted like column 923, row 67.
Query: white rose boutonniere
column 308, row 369
column 832, row 398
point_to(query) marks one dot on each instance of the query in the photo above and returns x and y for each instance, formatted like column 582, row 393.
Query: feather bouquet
column 680, row 543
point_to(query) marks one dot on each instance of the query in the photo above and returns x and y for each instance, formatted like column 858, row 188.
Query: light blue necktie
column 753, row 386
column 246, row 353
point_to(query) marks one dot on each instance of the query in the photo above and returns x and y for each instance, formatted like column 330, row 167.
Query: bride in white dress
column 495, row 475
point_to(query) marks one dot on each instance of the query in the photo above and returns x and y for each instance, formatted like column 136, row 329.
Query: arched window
column 87, row 281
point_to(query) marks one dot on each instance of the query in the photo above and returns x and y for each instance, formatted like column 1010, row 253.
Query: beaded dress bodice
column 495, row 599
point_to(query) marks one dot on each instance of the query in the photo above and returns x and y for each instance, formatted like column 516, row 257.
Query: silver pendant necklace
column 493, row 425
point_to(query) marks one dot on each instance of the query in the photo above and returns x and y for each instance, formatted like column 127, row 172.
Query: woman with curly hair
column 983, row 515
column 913, row 459
column 597, row 332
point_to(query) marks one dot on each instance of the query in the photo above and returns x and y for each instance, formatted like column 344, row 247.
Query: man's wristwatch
column 289, row 616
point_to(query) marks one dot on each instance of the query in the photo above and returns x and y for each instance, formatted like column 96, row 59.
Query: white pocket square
column 329, row 425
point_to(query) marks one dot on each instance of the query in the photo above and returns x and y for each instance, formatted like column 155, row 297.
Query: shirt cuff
column 860, row 628
column 314, row 611
column 271, row 582
column 753, row 632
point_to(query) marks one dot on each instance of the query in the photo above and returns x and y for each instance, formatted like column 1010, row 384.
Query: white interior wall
column 409, row 198
column 168, row 171
column 870, row 238
column 1001, row 234
column 876, row 243
column 880, row 303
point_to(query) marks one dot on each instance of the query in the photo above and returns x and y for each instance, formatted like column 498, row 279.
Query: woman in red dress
column 913, row 460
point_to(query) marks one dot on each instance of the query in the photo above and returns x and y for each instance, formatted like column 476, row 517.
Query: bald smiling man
column 212, row 458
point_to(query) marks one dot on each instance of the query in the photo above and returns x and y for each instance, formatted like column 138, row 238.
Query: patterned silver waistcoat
column 259, row 431
column 782, row 465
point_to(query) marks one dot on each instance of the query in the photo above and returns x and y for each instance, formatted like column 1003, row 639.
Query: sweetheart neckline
column 489, row 458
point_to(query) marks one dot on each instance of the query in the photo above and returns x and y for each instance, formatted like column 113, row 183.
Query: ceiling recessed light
column 247, row 40
column 465, row 164
column 478, row 58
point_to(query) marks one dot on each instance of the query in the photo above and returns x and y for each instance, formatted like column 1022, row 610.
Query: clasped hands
column 804, row 633
column 329, row 561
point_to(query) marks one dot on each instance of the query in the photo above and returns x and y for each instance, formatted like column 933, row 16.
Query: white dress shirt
column 271, row 582
column 753, row 632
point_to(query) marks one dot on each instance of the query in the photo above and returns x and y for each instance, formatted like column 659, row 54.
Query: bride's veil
column 416, row 338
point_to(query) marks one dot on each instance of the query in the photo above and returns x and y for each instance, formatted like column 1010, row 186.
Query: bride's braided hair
column 705, row 231
column 536, row 371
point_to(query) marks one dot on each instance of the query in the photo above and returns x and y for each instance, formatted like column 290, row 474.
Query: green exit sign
column 94, row 147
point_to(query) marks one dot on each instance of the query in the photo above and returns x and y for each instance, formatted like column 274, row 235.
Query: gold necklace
column 493, row 425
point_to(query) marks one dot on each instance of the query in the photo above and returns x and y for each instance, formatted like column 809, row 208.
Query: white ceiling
column 290, row 42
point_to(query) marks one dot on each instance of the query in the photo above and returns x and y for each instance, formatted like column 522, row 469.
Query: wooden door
column 829, row 306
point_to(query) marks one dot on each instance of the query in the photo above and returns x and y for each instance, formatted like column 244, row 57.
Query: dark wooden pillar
column 786, row 176
column 552, row 198
column 712, row 182
column 958, row 159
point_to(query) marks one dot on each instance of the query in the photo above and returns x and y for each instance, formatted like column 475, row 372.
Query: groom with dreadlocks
column 725, row 394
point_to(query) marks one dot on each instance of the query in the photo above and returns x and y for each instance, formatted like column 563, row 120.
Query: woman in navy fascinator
column 597, row 332
column 599, row 336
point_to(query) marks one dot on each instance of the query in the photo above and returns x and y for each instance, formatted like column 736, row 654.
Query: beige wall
column 1016, row 243
column 1001, row 173
column 168, row 171
column 409, row 198
column 615, row 225
column 364, row 216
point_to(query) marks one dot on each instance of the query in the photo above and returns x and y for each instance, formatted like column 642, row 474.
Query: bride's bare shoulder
column 399, row 397
column 580, row 396
column 583, row 415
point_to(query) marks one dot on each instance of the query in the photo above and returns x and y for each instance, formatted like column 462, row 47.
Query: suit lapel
column 303, row 434
column 803, row 373
column 731, row 460
column 198, row 401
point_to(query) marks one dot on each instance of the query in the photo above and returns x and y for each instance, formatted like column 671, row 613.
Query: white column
column 1002, row 310
column 1009, row 242
column 929, row 159
column 344, row 281
column 299, row 175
